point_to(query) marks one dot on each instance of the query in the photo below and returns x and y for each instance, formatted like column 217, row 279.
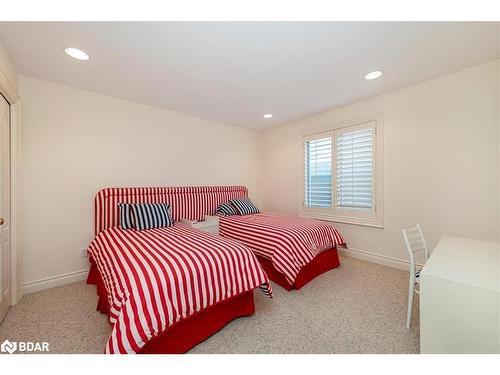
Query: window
column 343, row 173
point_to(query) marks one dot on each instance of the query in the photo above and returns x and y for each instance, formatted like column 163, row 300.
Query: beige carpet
column 359, row 307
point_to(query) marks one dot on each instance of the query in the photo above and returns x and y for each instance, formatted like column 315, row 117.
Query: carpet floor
column 359, row 307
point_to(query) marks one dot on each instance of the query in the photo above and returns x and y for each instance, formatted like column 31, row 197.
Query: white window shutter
column 354, row 151
column 318, row 173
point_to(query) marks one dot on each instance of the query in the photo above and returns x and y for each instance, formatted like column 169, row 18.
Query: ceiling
column 235, row 72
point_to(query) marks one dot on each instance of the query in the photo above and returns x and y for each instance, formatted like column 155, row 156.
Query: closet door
column 5, row 256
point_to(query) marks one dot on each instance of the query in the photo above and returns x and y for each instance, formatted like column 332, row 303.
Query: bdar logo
column 24, row 346
column 8, row 347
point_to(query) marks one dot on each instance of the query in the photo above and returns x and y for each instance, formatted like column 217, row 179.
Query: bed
column 167, row 289
column 292, row 250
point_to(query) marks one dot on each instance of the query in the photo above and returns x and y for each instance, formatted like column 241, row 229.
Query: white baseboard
column 375, row 258
column 51, row 282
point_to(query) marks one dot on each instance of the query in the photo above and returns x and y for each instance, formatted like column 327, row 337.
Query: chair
column 415, row 242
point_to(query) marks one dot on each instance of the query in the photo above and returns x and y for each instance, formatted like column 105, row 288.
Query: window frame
column 343, row 215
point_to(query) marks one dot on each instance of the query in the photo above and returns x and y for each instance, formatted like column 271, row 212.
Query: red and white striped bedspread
column 155, row 278
column 289, row 242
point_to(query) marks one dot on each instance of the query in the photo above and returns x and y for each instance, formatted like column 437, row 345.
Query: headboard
column 188, row 202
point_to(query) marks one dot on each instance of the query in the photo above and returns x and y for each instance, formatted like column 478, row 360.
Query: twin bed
column 167, row 289
column 292, row 251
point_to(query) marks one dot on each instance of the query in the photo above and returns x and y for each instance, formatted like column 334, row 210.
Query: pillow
column 226, row 209
column 151, row 215
column 244, row 206
column 125, row 216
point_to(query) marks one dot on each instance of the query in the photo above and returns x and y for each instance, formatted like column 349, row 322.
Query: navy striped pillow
column 226, row 209
column 244, row 206
column 151, row 215
column 125, row 216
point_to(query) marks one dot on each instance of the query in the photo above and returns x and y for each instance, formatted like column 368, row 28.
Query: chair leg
column 411, row 290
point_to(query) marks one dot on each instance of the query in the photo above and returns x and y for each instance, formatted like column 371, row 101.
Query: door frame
column 15, row 194
column 9, row 91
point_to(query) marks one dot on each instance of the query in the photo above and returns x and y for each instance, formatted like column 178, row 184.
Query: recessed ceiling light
column 373, row 75
column 268, row 115
column 76, row 53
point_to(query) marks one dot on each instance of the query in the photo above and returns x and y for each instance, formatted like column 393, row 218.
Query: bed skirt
column 323, row 262
column 187, row 333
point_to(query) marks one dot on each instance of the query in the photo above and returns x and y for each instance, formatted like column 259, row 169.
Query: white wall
column 440, row 160
column 8, row 74
column 76, row 142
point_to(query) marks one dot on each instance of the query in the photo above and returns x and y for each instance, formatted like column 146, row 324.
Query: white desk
column 460, row 297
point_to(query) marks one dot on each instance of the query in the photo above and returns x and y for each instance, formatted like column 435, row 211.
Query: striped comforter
column 288, row 242
column 157, row 277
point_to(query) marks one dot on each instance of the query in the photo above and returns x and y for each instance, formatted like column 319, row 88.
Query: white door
column 5, row 264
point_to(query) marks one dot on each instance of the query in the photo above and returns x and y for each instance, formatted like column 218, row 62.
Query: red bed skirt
column 325, row 261
column 187, row 333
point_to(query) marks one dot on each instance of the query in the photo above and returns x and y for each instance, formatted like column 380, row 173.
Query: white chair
column 415, row 242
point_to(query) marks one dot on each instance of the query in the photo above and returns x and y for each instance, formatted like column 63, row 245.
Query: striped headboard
column 191, row 202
